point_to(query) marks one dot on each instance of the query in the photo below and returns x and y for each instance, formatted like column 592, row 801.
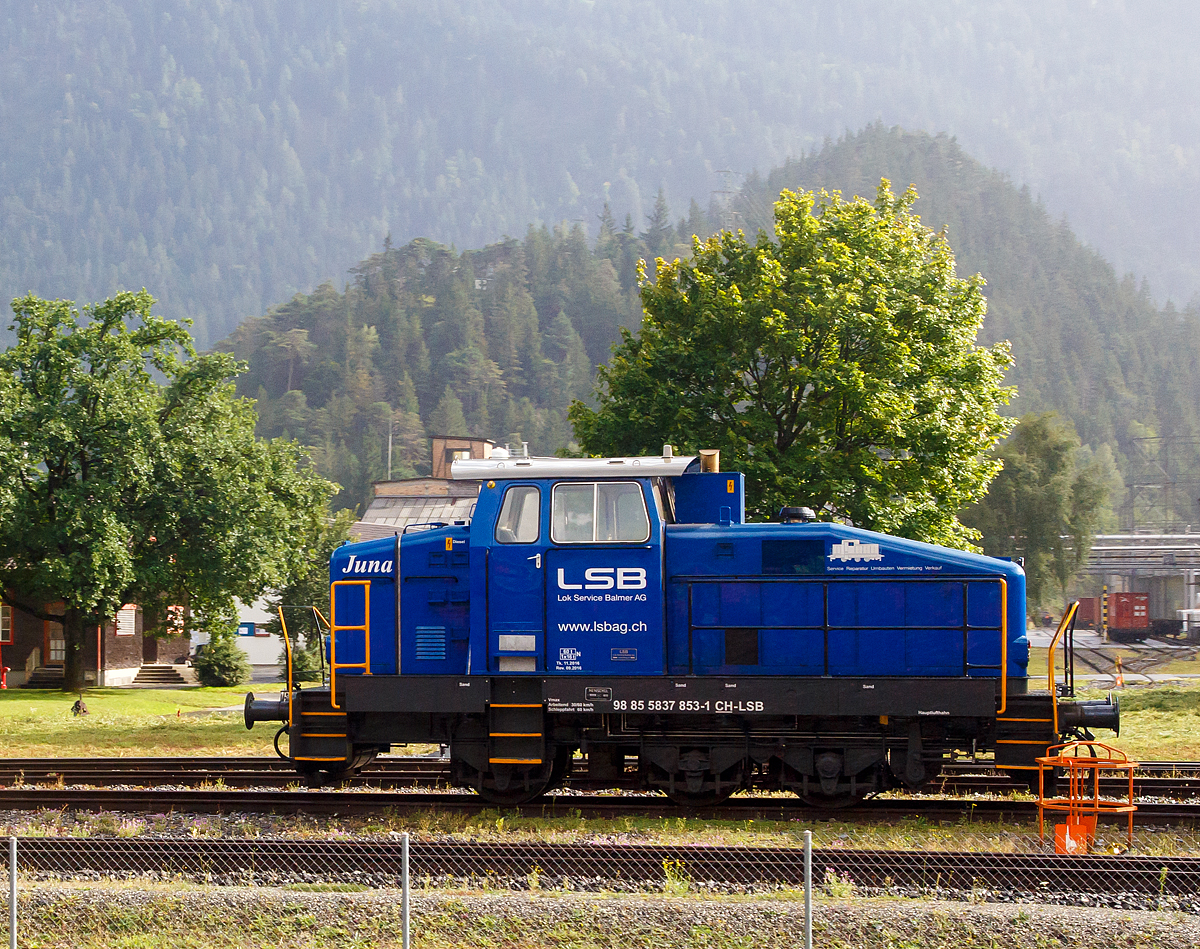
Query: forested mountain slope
column 225, row 155
column 499, row 340
column 496, row 342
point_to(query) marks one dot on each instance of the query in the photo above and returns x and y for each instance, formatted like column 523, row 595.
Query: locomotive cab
column 625, row 609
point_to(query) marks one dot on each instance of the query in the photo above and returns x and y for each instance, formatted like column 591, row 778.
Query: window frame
column 131, row 608
column 6, row 624
column 504, row 501
column 595, row 486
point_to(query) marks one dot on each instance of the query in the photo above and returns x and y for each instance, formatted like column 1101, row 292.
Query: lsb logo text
column 606, row 578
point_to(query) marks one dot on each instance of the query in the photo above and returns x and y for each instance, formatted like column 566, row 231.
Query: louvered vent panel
column 431, row 642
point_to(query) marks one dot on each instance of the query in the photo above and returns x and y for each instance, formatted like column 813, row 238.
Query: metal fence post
column 808, row 889
column 12, row 892
column 404, row 891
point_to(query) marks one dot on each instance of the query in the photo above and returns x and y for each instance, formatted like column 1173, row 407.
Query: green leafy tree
column 835, row 364
column 119, row 488
column 1046, row 504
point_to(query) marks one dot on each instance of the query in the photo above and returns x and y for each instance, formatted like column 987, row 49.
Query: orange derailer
column 1081, row 763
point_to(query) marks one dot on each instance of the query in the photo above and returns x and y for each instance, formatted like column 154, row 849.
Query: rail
column 1067, row 622
column 334, row 629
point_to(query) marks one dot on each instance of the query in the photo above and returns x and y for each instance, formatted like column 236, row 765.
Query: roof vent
column 796, row 515
column 668, row 453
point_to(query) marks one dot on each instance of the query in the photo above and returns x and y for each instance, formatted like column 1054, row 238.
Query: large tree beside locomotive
column 623, row 608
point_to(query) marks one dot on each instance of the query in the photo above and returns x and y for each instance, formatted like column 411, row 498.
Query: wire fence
column 611, row 866
column 824, row 859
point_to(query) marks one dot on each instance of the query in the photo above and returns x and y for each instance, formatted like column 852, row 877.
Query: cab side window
column 603, row 512
column 520, row 516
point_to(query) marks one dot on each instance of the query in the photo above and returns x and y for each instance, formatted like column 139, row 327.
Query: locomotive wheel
column 340, row 772
column 705, row 798
column 710, row 791
column 510, row 785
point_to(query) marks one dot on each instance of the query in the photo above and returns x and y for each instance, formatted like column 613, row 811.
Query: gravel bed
column 54, row 916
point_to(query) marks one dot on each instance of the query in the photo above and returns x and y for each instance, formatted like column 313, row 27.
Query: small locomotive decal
column 854, row 550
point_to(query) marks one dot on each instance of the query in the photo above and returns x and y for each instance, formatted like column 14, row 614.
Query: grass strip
column 138, row 918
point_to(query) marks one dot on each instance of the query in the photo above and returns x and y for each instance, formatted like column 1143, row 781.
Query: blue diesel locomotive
column 623, row 608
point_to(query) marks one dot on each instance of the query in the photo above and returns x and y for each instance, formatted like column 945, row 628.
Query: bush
column 221, row 661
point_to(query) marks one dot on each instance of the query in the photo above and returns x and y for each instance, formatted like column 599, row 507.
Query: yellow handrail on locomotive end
column 1051, row 678
column 365, row 665
column 287, row 643
column 1003, row 646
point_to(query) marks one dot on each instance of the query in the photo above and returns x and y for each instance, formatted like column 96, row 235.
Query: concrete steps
column 160, row 675
column 44, row 677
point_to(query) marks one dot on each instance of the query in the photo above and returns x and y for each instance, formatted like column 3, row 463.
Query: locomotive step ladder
column 319, row 732
column 1023, row 733
column 516, row 722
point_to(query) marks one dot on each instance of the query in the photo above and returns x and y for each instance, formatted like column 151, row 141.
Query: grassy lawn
column 38, row 723
column 1159, row 723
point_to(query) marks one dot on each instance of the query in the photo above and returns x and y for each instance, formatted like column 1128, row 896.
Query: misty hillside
column 226, row 155
column 1086, row 343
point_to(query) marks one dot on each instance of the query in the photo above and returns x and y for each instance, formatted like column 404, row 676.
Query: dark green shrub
column 221, row 661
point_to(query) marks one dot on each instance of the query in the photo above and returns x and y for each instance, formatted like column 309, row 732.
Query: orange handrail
column 288, row 646
column 1051, row 679
column 334, row 628
column 1003, row 647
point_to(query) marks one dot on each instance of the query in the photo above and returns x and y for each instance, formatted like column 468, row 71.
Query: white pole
column 12, row 892
column 389, row 451
column 404, row 891
column 808, row 889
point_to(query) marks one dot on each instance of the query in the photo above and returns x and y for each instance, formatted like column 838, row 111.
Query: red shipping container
column 1128, row 610
column 1089, row 612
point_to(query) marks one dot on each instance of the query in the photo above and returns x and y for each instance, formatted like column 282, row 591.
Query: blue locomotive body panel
column 590, row 577
column 825, row 599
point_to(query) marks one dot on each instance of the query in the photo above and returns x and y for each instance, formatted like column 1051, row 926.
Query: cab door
column 604, row 580
column 516, row 583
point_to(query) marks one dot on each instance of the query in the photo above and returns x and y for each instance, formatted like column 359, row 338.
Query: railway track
column 1164, row 779
column 378, row 863
column 343, row 803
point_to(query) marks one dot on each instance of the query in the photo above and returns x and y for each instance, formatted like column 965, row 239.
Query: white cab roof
column 480, row 469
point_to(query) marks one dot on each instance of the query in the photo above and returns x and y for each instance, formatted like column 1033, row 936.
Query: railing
column 1066, row 625
column 335, row 628
column 287, row 643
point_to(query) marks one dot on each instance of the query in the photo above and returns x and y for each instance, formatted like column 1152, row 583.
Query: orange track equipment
column 1081, row 763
